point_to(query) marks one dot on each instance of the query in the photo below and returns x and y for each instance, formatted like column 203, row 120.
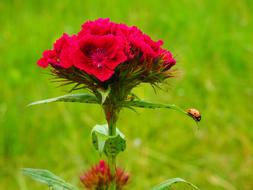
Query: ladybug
column 194, row 113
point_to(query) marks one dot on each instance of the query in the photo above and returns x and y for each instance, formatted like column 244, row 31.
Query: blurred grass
column 213, row 44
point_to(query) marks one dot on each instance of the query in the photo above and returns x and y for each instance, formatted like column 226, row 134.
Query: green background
column 213, row 44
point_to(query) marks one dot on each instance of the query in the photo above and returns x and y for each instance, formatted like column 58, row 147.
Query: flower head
column 60, row 55
column 99, row 177
column 107, row 54
column 99, row 55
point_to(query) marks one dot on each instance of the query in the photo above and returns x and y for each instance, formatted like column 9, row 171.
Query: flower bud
column 99, row 177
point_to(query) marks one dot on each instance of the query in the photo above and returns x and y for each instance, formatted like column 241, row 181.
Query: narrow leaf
column 144, row 104
column 168, row 183
column 149, row 105
column 82, row 98
column 47, row 177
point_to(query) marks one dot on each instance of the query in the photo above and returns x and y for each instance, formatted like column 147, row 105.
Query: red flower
column 147, row 47
column 168, row 59
column 101, row 46
column 61, row 53
column 132, row 36
column 139, row 42
column 99, row 55
column 49, row 56
column 98, row 27
column 64, row 47
column 121, row 178
column 99, row 177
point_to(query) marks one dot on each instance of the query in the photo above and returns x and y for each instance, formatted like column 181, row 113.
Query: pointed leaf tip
column 168, row 183
column 104, row 94
column 47, row 177
column 192, row 113
column 81, row 98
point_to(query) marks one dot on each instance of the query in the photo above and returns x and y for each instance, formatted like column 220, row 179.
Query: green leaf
column 82, row 98
column 166, row 185
column 149, row 105
column 144, row 104
column 47, row 177
column 114, row 145
column 99, row 136
column 110, row 145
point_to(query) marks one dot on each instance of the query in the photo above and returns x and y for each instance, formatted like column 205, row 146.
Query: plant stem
column 112, row 159
column 111, row 113
column 112, row 166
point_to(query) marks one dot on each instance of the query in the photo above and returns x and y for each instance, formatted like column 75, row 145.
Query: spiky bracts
column 99, row 177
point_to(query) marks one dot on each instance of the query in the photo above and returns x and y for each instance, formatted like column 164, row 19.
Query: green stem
column 111, row 116
column 112, row 166
column 112, row 159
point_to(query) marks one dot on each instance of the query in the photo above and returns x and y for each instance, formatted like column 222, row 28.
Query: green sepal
column 104, row 94
column 82, row 98
column 132, row 96
column 166, row 185
column 44, row 176
column 110, row 145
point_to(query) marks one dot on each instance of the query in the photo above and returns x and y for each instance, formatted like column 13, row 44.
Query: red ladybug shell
column 194, row 113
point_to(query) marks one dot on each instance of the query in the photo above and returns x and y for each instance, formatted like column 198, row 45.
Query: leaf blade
column 149, row 105
column 82, row 98
column 47, row 177
column 144, row 104
column 168, row 183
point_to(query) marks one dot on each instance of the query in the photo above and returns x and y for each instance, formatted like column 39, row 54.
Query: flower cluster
column 99, row 177
column 105, row 50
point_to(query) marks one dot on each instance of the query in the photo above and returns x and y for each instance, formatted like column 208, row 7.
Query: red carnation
column 99, row 55
column 141, row 43
column 167, row 57
column 98, row 27
column 64, row 47
column 61, row 53
column 49, row 56
column 92, row 56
